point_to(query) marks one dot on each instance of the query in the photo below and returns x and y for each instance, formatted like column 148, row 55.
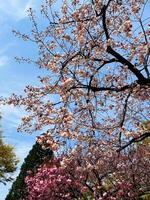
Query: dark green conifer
column 36, row 157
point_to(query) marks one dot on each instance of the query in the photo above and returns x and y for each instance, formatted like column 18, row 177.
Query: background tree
column 35, row 158
column 8, row 161
column 96, row 94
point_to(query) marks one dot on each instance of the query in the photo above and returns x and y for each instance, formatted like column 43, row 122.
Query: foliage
column 145, row 196
column 36, row 157
column 96, row 95
column 8, row 161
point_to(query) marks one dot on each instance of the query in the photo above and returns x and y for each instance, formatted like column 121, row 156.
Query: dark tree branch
column 124, row 115
column 125, row 110
column 113, row 89
column 64, row 64
column 104, row 62
column 141, row 79
column 134, row 140
column 104, row 23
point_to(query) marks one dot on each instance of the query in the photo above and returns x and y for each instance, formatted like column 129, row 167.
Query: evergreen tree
column 36, row 157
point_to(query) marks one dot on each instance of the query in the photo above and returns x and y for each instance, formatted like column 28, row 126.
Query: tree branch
column 134, row 140
column 124, row 115
column 141, row 79
column 113, row 89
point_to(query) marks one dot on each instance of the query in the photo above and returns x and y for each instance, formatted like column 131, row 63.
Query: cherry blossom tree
column 95, row 98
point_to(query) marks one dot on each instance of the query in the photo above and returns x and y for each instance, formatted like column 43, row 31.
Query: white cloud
column 15, row 9
column 11, row 115
column 3, row 60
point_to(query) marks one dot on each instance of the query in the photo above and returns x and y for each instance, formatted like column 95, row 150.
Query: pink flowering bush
column 53, row 182
column 69, row 177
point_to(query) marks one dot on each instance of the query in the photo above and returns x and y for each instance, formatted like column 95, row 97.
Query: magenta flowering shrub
column 71, row 177
column 53, row 182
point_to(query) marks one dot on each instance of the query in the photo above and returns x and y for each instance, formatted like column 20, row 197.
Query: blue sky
column 13, row 76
